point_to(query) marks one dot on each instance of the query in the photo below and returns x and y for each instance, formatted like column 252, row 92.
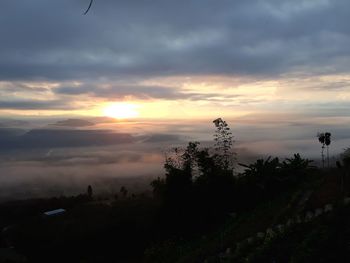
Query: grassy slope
column 316, row 190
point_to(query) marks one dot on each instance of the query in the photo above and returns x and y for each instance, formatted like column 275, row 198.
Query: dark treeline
column 201, row 187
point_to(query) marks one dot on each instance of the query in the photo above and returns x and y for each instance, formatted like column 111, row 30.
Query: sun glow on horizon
column 121, row 110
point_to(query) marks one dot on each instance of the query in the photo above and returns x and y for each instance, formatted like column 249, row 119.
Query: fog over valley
column 56, row 157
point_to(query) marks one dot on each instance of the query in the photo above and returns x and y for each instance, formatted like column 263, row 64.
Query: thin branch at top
column 87, row 10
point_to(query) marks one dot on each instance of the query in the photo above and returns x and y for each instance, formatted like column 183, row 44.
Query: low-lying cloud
column 59, row 166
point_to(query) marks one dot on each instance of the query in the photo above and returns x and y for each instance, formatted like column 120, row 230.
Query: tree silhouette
column 262, row 170
column 296, row 163
column 345, row 168
column 89, row 191
column 200, row 189
column 325, row 140
column 158, row 186
column 346, row 158
column 124, row 191
column 179, row 167
column 223, row 144
column 199, row 184
column 321, row 139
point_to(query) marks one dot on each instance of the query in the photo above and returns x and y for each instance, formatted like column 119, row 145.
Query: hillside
column 309, row 223
column 126, row 227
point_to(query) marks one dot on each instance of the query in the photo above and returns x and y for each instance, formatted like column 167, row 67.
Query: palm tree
column 325, row 140
column 321, row 139
column 296, row 163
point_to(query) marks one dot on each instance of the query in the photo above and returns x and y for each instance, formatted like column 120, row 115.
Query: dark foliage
column 89, row 191
column 197, row 191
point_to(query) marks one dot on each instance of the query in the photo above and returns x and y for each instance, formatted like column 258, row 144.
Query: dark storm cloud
column 52, row 40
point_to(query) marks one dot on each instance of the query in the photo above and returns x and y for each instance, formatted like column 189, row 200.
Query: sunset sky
column 274, row 69
column 203, row 58
column 277, row 71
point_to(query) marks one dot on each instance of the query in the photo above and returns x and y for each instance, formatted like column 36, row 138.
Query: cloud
column 137, row 91
column 121, row 91
column 159, row 138
column 36, row 105
column 162, row 38
column 273, row 56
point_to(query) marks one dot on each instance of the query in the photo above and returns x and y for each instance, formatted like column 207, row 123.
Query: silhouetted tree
column 124, row 191
column 223, row 144
column 262, row 173
column 158, row 186
column 195, row 186
column 179, row 167
column 292, row 169
column 215, row 186
column 321, row 139
column 262, row 168
column 89, row 191
column 346, row 158
column 327, row 143
column 296, row 163
column 194, row 167
column 325, row 140
column 266, row 178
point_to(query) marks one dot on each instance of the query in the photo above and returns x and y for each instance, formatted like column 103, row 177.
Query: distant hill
column 10, row 132
column 51, row 138
column 8, row 123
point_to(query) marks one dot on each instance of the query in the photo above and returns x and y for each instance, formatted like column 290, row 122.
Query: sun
column 121, row 110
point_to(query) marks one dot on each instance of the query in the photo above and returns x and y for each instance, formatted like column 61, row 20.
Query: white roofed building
column 55, row 212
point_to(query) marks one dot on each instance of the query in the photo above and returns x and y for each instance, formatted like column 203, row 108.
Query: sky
column 205, row 58
column 278, row 71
